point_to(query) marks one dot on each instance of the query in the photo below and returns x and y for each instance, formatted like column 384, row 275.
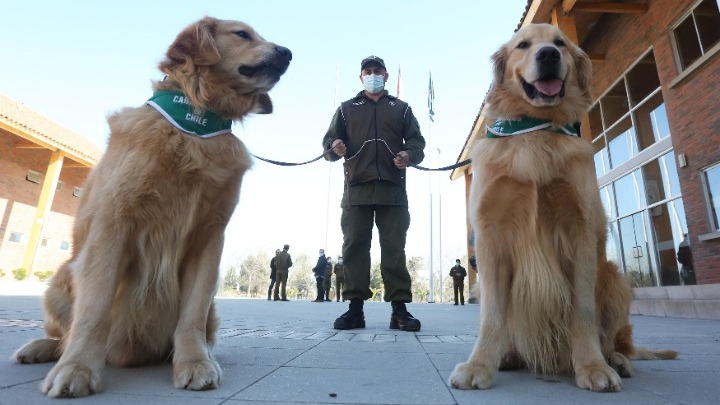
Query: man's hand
column 402, row 160
column 338, row 146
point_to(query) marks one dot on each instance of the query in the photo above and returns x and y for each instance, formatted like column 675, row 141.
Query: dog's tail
column 641, row 353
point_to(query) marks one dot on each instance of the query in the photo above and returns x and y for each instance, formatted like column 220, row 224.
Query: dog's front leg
column 482, row 365
column 494, row 236
column 591, row 370
column 77, row 373
column 194, row 367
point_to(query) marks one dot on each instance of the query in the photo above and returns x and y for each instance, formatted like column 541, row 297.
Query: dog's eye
column 523, row 45
column 559, row 42
column 242, row 34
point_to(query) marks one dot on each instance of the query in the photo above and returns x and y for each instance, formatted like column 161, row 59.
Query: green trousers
column 392, row 222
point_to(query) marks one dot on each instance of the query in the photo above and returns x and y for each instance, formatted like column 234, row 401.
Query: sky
column 76, row 62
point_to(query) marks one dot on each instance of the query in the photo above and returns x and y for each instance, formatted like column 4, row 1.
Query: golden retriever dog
column 550, row 300
column 149, row 231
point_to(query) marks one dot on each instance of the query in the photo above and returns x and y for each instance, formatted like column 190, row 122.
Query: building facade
column 655, row 128
column 42, row 169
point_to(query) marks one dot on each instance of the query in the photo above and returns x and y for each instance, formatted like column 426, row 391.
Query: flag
column 399, row 83
column 431, row 99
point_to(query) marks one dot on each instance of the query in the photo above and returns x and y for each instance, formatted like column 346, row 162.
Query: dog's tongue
column 549, row 87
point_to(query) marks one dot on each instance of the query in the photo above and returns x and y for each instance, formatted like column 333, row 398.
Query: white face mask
column 373, row 83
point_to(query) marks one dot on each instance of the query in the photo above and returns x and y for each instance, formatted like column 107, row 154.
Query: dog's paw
column 468, row 376
column 621, row 364
column 197, row 376
column 598, row 377
column 71, row 380
column 38, row 351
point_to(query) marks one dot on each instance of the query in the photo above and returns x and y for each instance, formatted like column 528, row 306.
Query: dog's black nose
column 548, row 55
column 283, row 52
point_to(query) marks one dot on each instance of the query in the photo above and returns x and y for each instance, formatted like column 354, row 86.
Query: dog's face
column 540, row 67
column 221, row 64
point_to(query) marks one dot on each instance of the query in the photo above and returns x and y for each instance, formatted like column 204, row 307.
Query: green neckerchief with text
column 504, row 127
column 176, row 108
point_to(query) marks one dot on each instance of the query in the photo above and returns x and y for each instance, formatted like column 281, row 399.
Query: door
column 637, row 257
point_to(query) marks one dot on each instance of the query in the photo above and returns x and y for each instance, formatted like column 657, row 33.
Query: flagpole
column 431, row 96
column 327, row 203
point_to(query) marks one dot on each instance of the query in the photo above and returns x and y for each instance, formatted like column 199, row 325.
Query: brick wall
column 692, row 105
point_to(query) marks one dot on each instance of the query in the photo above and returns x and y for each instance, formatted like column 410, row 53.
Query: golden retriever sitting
column 550, row 300
column 149, row 231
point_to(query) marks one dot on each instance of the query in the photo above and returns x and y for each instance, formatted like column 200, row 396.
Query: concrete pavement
column 288, row 353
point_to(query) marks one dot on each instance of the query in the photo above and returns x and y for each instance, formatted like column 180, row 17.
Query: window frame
column 712, row 225
column 684, row 73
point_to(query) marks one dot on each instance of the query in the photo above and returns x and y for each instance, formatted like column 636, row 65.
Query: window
column 33, row 176
column 77, row 191
column 711, row 178
column 64, row 245
column 59, row 186
column 629, row 118
column 44, row 242
column 697, row 33
column 15, row 237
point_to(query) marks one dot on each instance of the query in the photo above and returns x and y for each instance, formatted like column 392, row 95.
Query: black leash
column 439, row 169
column 275, row 162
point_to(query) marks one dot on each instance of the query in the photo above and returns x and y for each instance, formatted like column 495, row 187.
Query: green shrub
column 20, row 274
column 2, row 273
column 44, row 275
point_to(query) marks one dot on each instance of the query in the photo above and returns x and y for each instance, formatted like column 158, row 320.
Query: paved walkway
column 288, row 353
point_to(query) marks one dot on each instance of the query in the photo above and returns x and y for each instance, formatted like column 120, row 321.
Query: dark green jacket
column 373, row 134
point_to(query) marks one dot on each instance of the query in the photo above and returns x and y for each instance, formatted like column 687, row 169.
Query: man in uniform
column 379, row 137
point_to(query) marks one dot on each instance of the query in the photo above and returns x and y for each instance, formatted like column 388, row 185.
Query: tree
column 376, row 282
column 419, row 284
column 253, row 274
column 231, row 280
column 301, row 281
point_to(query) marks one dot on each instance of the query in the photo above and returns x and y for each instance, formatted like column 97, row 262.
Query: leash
column 275, row 162
column 288, row 164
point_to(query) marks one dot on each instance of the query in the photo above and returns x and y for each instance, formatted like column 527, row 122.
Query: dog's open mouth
column 546, row 88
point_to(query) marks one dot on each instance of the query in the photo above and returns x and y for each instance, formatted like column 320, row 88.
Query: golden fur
column 149, row 230
column 550, row 299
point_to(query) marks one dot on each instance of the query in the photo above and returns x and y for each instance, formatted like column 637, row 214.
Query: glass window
column 608, row 201
column 671, row 181
column 614, row 104
column 602, row 162
column 596, row 127
column 712, row 184
column 650, row 121
column 642, row 79
column 630, row 193
column 654, row 184
column 707, row 18
column 15, row 237
column 621, row 142
column 697, row 33
column 612, row 245
column 64, row 245
column 661, row 129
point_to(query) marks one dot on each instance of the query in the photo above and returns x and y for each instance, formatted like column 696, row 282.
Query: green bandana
column 176, row 108
column 504, row 127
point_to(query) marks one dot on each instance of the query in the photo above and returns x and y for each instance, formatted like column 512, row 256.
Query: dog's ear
column 583, row 68
column 194, row 46
column 262, row 104
column 499, row 60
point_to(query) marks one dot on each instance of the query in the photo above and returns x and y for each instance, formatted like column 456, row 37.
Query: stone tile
column 706, row 292
column 651, row 308
column 680, row 308
column 709, row 309
column 680, row 292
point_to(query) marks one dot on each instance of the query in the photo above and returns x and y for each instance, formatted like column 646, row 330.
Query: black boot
column 402, row 319
column 354, row 318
